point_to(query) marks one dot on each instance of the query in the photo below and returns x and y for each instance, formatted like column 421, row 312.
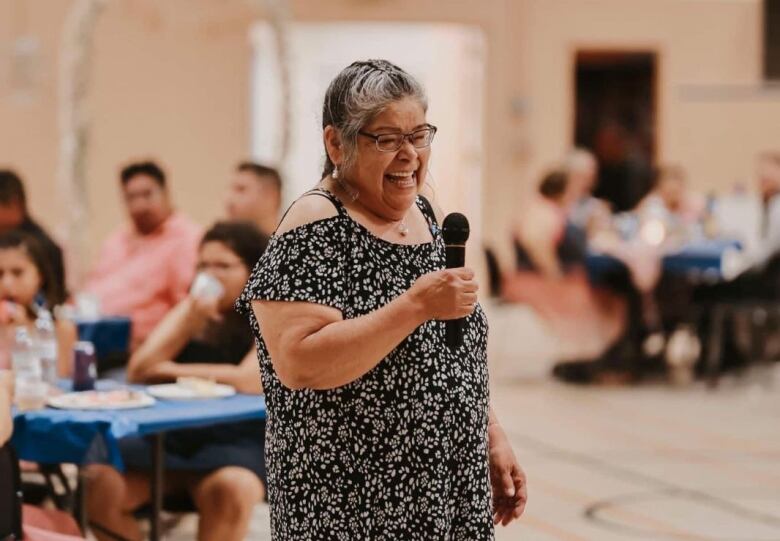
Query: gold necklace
column 353, row 194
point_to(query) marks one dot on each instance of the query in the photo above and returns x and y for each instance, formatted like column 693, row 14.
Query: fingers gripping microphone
column 455, row 231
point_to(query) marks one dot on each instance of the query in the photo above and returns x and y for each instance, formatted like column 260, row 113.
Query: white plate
column 174, row 391
column 120, row 399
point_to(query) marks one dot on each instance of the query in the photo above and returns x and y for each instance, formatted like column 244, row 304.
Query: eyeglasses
column 390, row 142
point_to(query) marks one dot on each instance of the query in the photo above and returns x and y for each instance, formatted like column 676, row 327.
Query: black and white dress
column 399, row 453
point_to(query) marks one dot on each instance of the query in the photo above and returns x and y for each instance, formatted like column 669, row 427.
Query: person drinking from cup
column 222, row 469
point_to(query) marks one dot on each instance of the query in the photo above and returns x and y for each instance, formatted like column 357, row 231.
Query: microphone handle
column 455, row 257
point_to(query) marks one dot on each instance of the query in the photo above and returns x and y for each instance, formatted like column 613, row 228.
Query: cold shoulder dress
column 399, row 453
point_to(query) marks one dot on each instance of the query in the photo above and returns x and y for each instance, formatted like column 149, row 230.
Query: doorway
column 616, row 119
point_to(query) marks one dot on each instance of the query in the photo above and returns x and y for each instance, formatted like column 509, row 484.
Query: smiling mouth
column 407, row 179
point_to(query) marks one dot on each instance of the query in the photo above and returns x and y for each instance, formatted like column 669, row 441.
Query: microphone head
column 455, row 229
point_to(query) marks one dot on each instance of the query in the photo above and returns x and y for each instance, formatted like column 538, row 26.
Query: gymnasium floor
column 637, row 463
column 651, row 463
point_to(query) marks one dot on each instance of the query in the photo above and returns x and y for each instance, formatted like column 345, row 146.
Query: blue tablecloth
column 56, row 436
column 699, row 259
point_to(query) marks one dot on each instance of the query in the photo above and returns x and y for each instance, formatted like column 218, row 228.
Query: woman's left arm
column 507, row 478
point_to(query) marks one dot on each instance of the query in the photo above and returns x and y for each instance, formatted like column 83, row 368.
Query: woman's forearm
column 495, row 431
column 329, row 356
column 164, row 343
column 245, row 381
column 492, row 419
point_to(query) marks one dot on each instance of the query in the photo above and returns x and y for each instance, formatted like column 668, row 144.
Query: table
column 707, row 261
column 54, row 436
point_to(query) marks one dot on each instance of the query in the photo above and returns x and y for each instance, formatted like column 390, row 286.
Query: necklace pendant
column 403, row 230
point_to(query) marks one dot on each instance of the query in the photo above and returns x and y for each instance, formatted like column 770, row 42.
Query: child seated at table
column 221, row 468
column 28, row 287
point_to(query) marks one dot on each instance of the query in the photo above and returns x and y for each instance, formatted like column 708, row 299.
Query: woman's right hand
column 446, row 294
column 203, row 309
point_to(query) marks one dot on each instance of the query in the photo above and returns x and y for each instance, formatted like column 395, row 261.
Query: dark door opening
column 615, row 118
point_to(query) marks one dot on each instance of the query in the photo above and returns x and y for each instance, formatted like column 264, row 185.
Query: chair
column 758, row 301
column 10, row 495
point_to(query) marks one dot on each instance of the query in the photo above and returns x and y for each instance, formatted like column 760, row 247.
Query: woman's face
column 223, row 264
column 388, row 182
column 20, row 280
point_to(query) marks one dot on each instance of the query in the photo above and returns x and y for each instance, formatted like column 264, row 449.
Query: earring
column 335, row 173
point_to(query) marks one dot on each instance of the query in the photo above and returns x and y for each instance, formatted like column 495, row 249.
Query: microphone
column 455, row 231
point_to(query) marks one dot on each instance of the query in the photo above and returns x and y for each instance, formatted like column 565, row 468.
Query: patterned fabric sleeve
column 304, row 264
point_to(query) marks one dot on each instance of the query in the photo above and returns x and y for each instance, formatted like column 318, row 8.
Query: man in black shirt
column 13, row 215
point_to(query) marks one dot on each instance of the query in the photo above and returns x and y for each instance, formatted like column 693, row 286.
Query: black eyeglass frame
column 404, row 137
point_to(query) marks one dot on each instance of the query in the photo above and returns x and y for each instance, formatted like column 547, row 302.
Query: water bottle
column 24, row 357
column 47, row 346
column 30, row 389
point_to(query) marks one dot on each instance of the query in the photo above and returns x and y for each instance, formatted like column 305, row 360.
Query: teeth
column 403, row 180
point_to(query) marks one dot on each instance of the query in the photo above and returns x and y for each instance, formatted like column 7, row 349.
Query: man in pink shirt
column 146, row 267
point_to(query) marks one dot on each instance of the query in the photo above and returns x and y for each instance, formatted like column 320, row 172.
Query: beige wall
column 171, row 81
column 705, row 48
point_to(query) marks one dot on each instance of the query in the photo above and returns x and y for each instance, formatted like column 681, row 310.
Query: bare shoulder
column 307, row 209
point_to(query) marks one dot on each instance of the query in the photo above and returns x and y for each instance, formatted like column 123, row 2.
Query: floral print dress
column 399, row 453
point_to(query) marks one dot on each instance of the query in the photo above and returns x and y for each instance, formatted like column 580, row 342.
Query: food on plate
column 116, row 398
column 199, row 386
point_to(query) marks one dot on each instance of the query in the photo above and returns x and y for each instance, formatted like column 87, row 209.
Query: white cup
column 205, row 286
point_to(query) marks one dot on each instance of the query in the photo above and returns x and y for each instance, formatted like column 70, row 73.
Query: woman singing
column 376, row 430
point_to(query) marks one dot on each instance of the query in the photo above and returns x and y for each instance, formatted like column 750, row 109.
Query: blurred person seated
column 752, row 215
column 255, row 195
column 145, row 268
column 14, row 215
column 38, row 524
column 545, row 240
column 761, row 238
column 550, row 275
column 665, row 218
column 27, row 288
column 768, row 180
column 591, row 214
column 221, row 468
column 673, row 203
column 760, row 283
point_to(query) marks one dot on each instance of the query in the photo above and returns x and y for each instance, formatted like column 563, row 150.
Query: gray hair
column 360, row 92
